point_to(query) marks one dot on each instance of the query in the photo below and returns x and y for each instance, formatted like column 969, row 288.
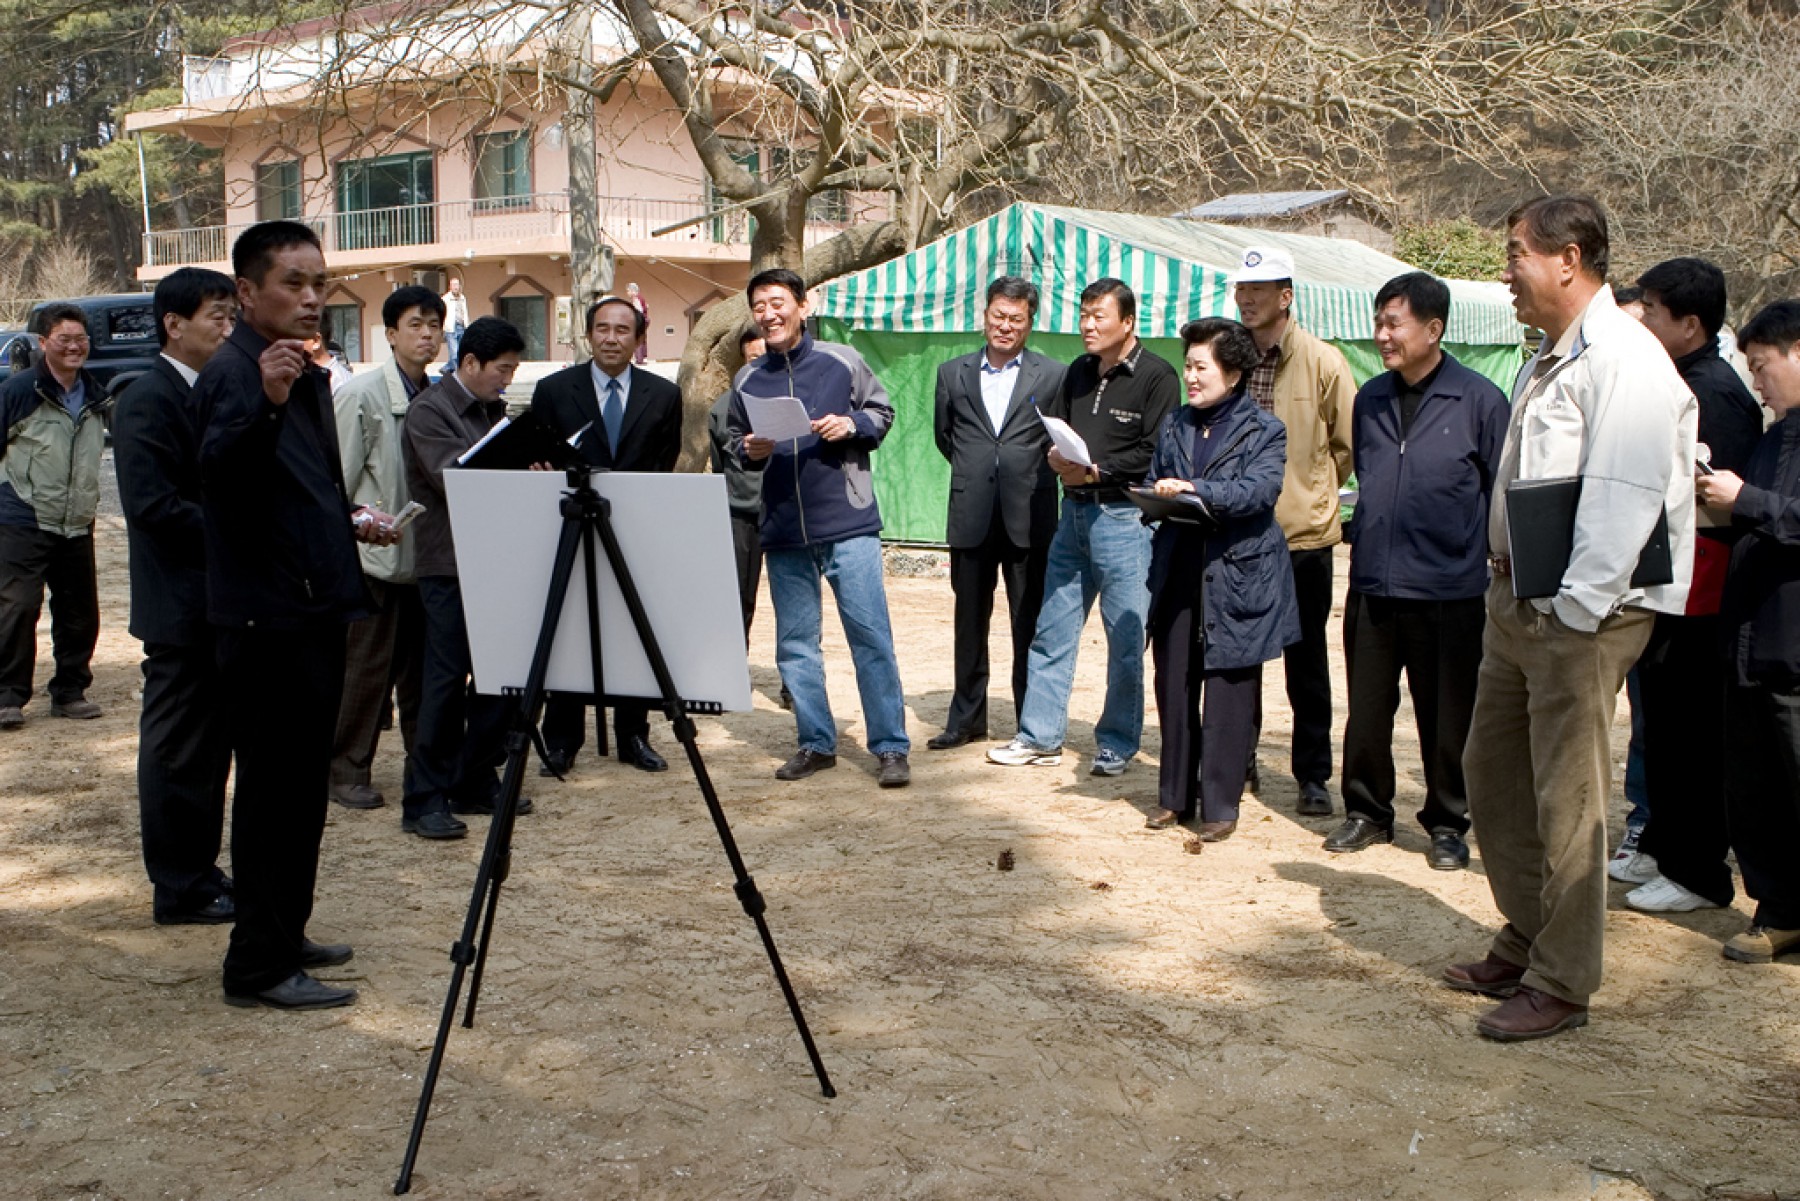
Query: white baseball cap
column 1263, row 265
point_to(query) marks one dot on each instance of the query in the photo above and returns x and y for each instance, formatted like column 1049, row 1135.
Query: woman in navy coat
column 1221, row 583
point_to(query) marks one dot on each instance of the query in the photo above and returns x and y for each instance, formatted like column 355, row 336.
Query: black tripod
column 585, row 515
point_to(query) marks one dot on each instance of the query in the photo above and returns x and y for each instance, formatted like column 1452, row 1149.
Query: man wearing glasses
column 49, row 489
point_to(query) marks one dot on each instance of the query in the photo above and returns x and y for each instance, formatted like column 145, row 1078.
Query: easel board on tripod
column 675, row 534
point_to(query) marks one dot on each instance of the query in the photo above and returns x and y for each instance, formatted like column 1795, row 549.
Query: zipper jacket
column 50, row 469
column 815, row 492
column 1247, row 576
column 1420, row 530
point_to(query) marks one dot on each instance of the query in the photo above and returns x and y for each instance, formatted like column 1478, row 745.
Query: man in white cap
column 1307, row 384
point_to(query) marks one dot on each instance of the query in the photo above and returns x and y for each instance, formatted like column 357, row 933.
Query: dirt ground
column 1112, row 1018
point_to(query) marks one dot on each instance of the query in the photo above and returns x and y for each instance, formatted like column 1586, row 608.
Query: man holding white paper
column 1115, row 398
column 820, row 521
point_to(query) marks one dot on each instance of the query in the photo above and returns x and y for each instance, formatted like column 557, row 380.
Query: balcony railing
column 468, row 225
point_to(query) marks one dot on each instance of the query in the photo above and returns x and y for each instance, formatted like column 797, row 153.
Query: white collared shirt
column 601, row 379
column 187, row 373
column 997, row 387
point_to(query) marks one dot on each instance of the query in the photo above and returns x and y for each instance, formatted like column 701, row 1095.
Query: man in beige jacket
column 387, row 647
column 1307, row 384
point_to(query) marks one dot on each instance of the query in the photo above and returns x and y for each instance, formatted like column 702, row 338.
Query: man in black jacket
column 629, row 420
column 1002, row 495
column 1681, row 865
column 282, row 582
column 183, row 751
column 1761, row 618
column 1427, row 435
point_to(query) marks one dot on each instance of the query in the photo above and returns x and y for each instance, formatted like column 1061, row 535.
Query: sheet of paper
column 777, row 418
column 468, row 454
column 1068, row 442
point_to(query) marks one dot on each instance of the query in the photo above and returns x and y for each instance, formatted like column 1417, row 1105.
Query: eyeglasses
column 66, row 343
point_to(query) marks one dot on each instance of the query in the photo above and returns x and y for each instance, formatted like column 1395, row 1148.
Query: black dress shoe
column 638, row 752
column 1162, row 819
column 1448, row 853
column 1314, row 801
column 949, row 740
column 437, row 824
column 216, row 912
column 556, row 763
column 1358, row 833
column 803, row 764
column 298, row 991
column 1217, row 831
column 485, row 806
column 895, row 771
column 358, row 796
column 324, row 954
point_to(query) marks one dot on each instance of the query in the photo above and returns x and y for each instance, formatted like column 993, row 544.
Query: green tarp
column 911, row 314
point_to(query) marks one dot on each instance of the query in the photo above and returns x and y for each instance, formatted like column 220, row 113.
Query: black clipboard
column 518, row 444
column 1540, row 531
column 1185, row 509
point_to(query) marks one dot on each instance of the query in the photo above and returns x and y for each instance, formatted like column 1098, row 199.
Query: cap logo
column 1252, row 258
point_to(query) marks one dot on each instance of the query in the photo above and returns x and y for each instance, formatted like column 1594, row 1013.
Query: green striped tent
column 909, row 315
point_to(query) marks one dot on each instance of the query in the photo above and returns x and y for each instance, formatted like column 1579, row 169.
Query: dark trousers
column 1682, row 681
column 30, row 561
column 383, row 651
column 282, row 689
column 184, row 757
column 974, row 571
column 746, row 549
column 461, row 732
column 1208, row 718
column 1762, row 797
column 565, row 724
column 1308, row 666
column 1438, row 645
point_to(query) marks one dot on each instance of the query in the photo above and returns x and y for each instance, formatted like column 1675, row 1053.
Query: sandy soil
column 1112, row 1018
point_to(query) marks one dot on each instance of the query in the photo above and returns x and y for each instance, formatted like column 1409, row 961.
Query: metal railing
column 470, row 224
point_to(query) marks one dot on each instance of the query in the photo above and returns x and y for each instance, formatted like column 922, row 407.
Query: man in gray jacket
column 1600, row 401
column 386, row 648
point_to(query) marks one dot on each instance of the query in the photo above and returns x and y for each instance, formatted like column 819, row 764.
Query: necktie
column 613, row 415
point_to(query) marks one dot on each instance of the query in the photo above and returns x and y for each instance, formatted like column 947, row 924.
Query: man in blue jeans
column 1116, row 397
column 819, row 520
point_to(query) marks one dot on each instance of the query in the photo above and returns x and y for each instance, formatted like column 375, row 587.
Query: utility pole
column 590, row 263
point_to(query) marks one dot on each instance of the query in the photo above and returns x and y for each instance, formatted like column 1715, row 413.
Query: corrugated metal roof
column 1179, row 268
column 1245, row 206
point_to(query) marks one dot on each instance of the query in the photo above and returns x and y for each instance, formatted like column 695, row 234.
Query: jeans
column 1099, row 550
column 853, row 569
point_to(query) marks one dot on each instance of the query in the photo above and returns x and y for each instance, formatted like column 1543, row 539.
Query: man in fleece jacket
column 819, row 520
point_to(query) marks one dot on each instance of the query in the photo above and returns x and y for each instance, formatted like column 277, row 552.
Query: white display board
column 675, row 531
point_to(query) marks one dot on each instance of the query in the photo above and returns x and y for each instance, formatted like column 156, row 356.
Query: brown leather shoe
column 1492, row 977
column 1531, row 1014
column 1216, row 831
column 1162, row 819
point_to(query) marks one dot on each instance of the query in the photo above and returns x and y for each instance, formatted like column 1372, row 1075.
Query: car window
column 133, row 323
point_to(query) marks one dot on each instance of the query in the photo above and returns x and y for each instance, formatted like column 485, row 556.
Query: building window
column 502, row 171
column 531, row 316
column 343, row 325
column 385, row 201
column 278, row 191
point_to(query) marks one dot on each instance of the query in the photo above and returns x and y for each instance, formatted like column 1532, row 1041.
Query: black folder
column 1186, row 509
column 1540, row 528
column 519, row 443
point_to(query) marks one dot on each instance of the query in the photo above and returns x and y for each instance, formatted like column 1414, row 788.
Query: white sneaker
column 1108, row 763
column 1633, row 867
column 1663, row 895
column 1022, row 754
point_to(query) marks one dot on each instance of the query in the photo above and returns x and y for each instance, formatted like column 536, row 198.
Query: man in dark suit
column 183, row 752
column 282, row 583
column 628, row 420
column 1002, row 495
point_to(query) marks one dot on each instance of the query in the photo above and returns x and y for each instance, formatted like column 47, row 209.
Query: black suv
column 122, row 328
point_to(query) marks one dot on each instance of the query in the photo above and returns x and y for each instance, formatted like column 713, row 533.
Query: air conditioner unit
column 431, row 277
column 565, row 320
